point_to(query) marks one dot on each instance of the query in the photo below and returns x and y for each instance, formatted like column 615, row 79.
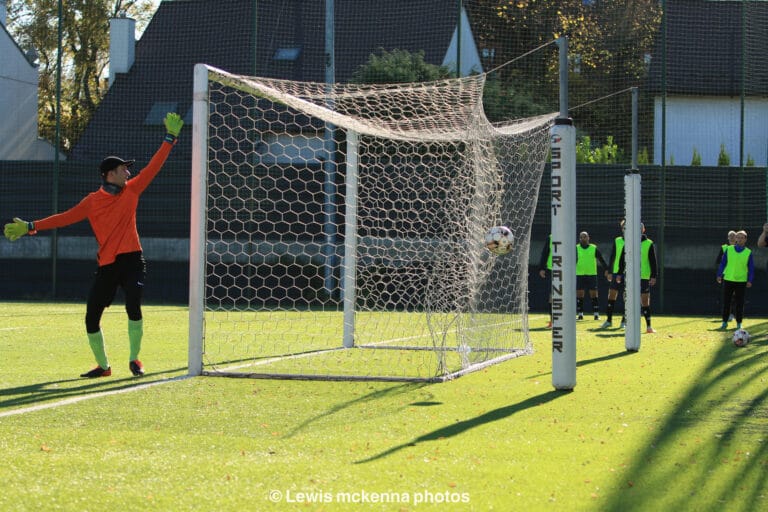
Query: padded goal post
column 337, row 230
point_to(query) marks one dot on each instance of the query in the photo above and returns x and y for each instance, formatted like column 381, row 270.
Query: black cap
column 111, row 162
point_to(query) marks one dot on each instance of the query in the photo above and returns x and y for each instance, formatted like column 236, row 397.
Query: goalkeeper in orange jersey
column 111, row 211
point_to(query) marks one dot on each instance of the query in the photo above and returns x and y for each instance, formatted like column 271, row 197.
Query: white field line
column 77, row 399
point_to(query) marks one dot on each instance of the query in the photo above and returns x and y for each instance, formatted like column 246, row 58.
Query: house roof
column 362, row 28
column 221, row 33
column 704, row 49
column 15, row 43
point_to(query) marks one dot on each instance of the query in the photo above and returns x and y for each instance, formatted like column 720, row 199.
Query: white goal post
column 366, row 261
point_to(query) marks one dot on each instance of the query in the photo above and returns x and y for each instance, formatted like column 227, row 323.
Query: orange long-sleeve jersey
column 112, row 217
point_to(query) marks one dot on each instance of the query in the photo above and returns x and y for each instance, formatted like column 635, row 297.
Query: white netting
column 380, row 195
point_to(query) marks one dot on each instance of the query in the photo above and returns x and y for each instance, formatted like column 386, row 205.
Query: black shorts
column 586, row 282
column 645, row 284
column 128, row 272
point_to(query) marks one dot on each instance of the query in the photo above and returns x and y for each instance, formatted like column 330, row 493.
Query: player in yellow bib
column 736, row 272
column 587, row 258
column 731, row 237
column 648, row 274
column 616, row 284
column 545, row 272
column 731, row 241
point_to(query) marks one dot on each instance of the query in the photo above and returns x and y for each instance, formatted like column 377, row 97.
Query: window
column 287, row 53
column 158, row 111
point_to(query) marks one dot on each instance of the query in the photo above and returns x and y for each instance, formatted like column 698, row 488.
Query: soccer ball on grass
column 740, row 337
column 498, row 240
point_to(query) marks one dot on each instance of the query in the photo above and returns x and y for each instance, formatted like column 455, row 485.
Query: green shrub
column 696, row 159
column 642, row 157
column 584, row 150
column 502, row 102
column 608, row 153
column 723, row 159
column 398, row 66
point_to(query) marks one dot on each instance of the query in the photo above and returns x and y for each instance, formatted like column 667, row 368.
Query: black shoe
column 98, row 372
column 136, row 368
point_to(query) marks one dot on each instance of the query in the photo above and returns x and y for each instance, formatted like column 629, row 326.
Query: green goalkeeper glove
column 17, row 229
column 173, row 123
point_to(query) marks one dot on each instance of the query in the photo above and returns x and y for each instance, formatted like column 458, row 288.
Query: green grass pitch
column 679, row 426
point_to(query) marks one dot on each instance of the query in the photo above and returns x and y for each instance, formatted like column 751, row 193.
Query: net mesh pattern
column 373, row 197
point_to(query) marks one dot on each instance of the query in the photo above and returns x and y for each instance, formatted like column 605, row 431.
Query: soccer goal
column 337, row 231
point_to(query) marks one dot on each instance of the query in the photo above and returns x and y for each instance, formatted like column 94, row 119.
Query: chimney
column 122, row 44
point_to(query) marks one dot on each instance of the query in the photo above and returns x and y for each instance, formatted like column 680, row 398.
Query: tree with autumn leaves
column 34, row 24
column 609, row 43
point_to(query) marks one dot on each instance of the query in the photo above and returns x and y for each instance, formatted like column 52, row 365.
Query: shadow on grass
column 375, row 395
column 585, row 362
column 604, row 333
column 710, row 453
column 463, row 426
column 42, row 392
column 623, row 353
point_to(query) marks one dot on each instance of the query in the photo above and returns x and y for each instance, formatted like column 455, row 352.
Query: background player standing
column 616, row 285
column 736, row 272
column 587, row 258
column 648, row 274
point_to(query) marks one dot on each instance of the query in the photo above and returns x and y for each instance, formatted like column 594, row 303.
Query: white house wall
column 470, row 57
column 705, row 123
column 285, row 148
column 18, row 105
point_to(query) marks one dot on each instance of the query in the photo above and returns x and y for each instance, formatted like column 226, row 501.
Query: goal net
column 338, row 230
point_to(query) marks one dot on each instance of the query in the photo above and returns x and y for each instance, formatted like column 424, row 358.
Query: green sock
column 135, row 332
column 96, row 340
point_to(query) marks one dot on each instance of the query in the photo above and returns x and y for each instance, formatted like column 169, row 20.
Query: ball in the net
column 498, row 240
